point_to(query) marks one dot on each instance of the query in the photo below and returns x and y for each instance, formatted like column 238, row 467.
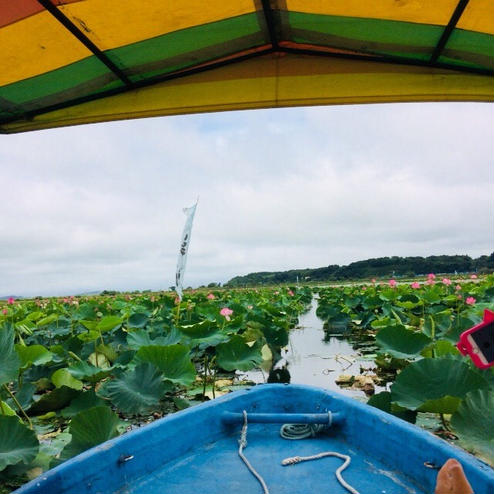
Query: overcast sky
column 100, row 206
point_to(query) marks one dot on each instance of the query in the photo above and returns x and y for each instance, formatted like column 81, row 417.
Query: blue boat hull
column 195, row 451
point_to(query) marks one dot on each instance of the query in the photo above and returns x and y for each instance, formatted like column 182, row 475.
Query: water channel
column 319, row 357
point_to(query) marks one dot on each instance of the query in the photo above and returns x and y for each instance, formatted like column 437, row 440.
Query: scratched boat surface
column 196, row 451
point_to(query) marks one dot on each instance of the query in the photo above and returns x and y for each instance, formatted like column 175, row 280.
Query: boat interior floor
column 217, row 468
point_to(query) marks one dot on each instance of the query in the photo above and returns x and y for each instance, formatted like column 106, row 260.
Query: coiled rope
column 294, row 432
column 303, row 431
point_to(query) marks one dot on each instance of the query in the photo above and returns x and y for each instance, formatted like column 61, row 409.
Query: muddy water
column 318, row 358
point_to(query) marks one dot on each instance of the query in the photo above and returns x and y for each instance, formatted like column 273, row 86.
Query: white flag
column 184, row 247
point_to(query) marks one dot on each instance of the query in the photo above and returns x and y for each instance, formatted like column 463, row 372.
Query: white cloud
column 95, row 207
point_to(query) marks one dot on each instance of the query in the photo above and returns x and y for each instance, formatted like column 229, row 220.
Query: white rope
column 341, row 480
column 295, row 459
column 243, row 444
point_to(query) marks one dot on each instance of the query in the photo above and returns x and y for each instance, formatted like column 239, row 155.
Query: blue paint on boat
column 195, row 451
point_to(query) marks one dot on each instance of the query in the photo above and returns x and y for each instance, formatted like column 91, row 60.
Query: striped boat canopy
column 67, row 62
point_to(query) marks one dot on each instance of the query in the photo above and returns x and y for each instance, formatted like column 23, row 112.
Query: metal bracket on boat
column 285, row 418
column 125, row 458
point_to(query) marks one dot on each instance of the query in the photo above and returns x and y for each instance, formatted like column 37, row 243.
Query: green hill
column 380, row 267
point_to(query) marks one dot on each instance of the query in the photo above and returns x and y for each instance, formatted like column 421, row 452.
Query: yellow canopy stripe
column 272, row 81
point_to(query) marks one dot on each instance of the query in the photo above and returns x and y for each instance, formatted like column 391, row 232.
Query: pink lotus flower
column 430, row 281
column 276, row 293
column 250, row 307
column 431, row 276
column 373, row 280
column 210, row 296
column 364, row 288
column 458, row 287
column 470, row 301
column 392, row 283
column 11, row 300
column 226, row 313
column 446, row 281
column 474, row 276
column 415, row 285
column 459, row 297
column 290, row 293
column 65, row 300
column 5, row 312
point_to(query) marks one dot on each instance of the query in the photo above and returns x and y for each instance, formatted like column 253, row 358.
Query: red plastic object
column 468, row 346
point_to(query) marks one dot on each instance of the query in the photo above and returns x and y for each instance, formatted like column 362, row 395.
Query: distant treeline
column 372, row 268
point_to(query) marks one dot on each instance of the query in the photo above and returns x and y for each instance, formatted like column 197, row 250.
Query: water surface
column 318, row 358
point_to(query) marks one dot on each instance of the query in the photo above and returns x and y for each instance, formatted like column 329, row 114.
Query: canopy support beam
column 270, row 22
column 448, row 30
column 68, row 24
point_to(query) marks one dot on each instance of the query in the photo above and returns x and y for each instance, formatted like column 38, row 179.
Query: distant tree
column 375, row 267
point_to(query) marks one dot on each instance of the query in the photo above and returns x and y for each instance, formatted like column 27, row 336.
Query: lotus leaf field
column 77, row 371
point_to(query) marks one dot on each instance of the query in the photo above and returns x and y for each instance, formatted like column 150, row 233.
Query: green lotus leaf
column 441, row 348
column 90, row 428
column 253, row 333
column 87, row 372
column 407, row 304
column 18, row 443
column 83, row 401
column 62, row 377
column 432, row 379
column 108, row 323
column 34, row 316
column 33, row 355
column 108, row 351
column 446, row 404
column 401, row 342
column 462, row 323
column 47, row 320
column 91, row 335
column 208, row 310
column 204, row 334
column 138, row 320
column 138, row 338
column 172, row 360
column 432, row 295
column 438, row 323
column 237, row 354
column 9, row 360
column 201, row 330
column 49, row 451
column 382, row 401
column 54, row 400
column 473, row 420
column 89, row 325
column 99, row 360
column 23, row 395
column 137, row 391
column 6, row 410
column 276, row 336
